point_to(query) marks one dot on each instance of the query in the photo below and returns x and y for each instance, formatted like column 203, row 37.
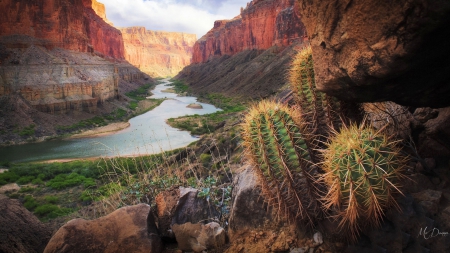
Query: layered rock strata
column 65, row 24
column 261, row 25
column 158, row 53
column 58, row 81
column 379, row 51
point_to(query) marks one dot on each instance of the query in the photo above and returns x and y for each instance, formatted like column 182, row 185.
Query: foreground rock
column 180, row 206
column 199, row 237
column 20, row 230
column 129, row 229
column 373, row 51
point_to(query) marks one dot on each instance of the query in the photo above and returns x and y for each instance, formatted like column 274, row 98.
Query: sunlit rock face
column 158, row 53
column 100, row 9
column 71, row 25
column 261, row 25
column 60, row 56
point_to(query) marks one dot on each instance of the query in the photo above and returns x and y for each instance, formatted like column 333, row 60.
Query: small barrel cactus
column 362, row 171
column 276, row 147
column 319, row 110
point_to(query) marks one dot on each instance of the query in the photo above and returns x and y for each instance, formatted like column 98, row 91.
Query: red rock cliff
column 72, row 25
column 158, row 53
column 262, row 24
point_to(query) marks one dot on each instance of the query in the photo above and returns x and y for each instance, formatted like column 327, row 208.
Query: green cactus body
column 319, row 110
column 362, row 168
column 279, row 154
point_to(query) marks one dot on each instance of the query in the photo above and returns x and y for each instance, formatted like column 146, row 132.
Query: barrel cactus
column 275, row 146
column 318, row 109
column 363, row 169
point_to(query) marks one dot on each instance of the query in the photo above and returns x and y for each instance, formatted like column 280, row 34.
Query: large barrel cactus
column 363, row 168
column 320, row 111
column 277, row 149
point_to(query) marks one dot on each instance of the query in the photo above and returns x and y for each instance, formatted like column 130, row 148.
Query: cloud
column 193, row 16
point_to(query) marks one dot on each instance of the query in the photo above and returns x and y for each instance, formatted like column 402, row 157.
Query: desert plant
column 275, row 146
column 319, row 110
column 363, row 168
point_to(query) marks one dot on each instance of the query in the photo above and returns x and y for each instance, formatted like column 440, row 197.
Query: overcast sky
column 190, row 16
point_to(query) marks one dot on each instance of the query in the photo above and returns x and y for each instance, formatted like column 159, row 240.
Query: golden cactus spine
column 363, row 169
column 276, row 147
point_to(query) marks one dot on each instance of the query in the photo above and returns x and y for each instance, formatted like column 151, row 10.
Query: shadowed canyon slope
column 377, row 50
column 249, row 54
column 59, row 57
column 158, row 53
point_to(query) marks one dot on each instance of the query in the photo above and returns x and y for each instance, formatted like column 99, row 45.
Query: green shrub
column 8, row 177
column 45, row 209
column 205, row 158
column 52, row 199
column 63, row 181
column 25, row 179
column 30, row 203
column 26, row 189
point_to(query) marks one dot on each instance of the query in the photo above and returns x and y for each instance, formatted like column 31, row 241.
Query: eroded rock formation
column 58, row 81
column 100, row 9
column 376, row 51
column 158, row 53
column 261, row 25
column 247, row 56
column 71, row 25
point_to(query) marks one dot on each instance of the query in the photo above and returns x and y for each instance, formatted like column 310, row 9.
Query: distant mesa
column 195, row 106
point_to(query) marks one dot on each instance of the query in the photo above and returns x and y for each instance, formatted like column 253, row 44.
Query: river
column 148, row 134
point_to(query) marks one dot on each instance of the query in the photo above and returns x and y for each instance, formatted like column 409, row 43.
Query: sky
column 189, row 16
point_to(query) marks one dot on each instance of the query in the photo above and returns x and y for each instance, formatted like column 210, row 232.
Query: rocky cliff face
column 261, row 25
column 377, row 51
column 249, row 55
column 71, row 25
column 158, row 53
column 100, row 9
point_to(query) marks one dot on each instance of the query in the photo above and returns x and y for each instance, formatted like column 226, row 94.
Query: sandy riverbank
column 102, row 131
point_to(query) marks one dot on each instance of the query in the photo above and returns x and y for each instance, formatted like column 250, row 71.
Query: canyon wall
column 247, row 56
column 158, row 53
column 59, row 57
column 261, row 25
column 71, row 25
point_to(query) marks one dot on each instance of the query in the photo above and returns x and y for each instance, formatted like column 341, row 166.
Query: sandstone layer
column 158, row 53
column 376, row 51
column 261, row 25
column 58, row 81
column 100, row 9
column 71, row 25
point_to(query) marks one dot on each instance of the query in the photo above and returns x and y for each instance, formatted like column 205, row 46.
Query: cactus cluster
column 277, row 149
column 361, row 167
column 322, row 112
column 362, row 171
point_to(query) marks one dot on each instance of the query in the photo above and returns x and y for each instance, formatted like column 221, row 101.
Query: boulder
column 179, row 206
column 128, row 229
column 199, row 237
column 429, row 200
column 20, row 230
column 369, row 51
